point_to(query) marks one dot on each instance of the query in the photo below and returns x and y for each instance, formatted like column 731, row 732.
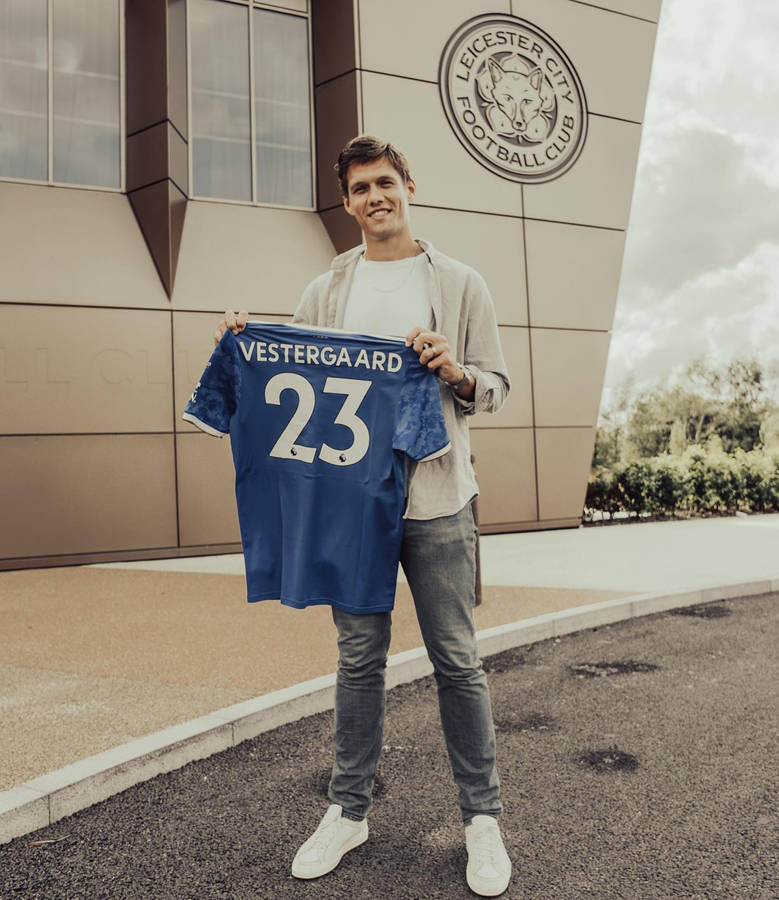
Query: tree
column 744, row 405
column 769, row 431
column 735, row 402
column 677, row 443
column 668, row 413
column 610, row 436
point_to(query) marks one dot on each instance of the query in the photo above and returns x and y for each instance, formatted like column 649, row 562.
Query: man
column 395, row 285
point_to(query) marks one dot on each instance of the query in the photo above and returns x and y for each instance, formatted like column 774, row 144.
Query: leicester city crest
column 513, row 98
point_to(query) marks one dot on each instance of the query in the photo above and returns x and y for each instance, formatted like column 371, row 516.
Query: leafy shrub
column 724, row 487
column 755, row 469
column 632, row 481
column 602, row 494
column 695, row 487
column 666, row 488
column 702, row 480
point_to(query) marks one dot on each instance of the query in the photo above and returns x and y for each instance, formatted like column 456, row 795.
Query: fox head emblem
column 519, row 96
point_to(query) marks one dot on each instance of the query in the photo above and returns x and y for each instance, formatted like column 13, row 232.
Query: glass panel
column 221, row 138
column 300, row 5
column 23, row 89
column 86, row 92
column 282, row 109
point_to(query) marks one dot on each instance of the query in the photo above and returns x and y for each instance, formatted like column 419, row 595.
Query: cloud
column 717, row 59
column 700, row 204
column 700, row 275
column 720, row 315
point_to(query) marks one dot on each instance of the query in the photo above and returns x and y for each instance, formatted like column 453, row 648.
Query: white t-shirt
column 390, row 298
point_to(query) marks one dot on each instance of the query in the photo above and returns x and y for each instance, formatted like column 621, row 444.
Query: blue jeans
column 438, row 558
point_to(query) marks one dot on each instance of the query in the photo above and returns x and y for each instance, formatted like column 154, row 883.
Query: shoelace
column 323, row 837
column 485, row 847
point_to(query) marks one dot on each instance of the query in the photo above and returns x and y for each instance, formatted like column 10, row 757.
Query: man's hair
column 365, row 148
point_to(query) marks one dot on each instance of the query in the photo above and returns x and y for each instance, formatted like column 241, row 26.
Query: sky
column 700, row 275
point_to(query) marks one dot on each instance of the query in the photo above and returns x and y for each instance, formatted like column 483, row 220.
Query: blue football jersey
column 320, row 422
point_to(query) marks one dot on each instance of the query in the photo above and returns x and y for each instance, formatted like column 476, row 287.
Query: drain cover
column 504, row 661
column 530, row 722
column 609, row 760
column 603, row 669
column 708, row 611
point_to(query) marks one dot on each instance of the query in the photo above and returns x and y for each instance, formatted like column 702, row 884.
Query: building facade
column 164, row 160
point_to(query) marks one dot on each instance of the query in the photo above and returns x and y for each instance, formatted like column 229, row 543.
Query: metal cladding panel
column 611, row 53
column 494, row 245
column 641, row 9
column 147, row 156
column 207, row 510
column 193, row 343
column 337, row 121
column 160, row 209
column 506, row 474
column 156, row 32
column 406, row 37
column 248, row 257
column 582, row 292
column 177, row 65
column 332, row 28
column 446, row 176
column 342, row 229
column 568, row 370
column 155, row 154
column 88, row 370
column 598, row 189
column 178, row 160
column 86, row 238
column 66, row 494
column 177, row 210
column 517, row 411
column 564, row 457
column 146, row 40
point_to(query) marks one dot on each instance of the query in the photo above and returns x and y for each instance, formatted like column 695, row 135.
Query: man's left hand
column 435, row 353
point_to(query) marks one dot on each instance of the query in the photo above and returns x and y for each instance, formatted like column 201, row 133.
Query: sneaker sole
column 360, row 838
column 483, row 891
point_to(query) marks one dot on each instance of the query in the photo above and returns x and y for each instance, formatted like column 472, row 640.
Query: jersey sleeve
column 215, row 397
column 420, row 430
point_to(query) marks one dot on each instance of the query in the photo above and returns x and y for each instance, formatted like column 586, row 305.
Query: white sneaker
column 489, row 867
column 333, row 837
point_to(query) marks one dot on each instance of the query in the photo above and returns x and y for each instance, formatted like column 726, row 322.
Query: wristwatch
column 466, row 379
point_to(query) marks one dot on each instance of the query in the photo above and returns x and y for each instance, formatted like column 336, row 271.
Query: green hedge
column 698, row 482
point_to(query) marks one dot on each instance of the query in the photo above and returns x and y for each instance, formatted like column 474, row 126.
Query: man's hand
column 236, row 324
column 434, row 352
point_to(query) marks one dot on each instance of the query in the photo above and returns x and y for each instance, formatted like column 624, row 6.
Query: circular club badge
column 513, row 98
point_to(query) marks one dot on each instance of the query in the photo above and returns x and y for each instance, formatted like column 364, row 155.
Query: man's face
column 378, row 199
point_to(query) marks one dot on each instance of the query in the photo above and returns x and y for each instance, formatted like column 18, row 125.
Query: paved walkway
column 656, row 784
column 95, row 656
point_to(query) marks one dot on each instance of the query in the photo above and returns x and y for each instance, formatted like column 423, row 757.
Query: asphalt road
column 655, row 783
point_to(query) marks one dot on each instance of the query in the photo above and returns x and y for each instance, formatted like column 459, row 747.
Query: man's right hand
column 235, row 322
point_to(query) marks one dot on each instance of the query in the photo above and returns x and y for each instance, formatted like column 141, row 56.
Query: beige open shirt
column 464, row 313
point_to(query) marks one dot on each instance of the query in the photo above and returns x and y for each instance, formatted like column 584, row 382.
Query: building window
column 250, row 104
column 60, row 94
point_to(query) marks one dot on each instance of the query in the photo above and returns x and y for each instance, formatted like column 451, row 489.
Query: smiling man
column 396, row 285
